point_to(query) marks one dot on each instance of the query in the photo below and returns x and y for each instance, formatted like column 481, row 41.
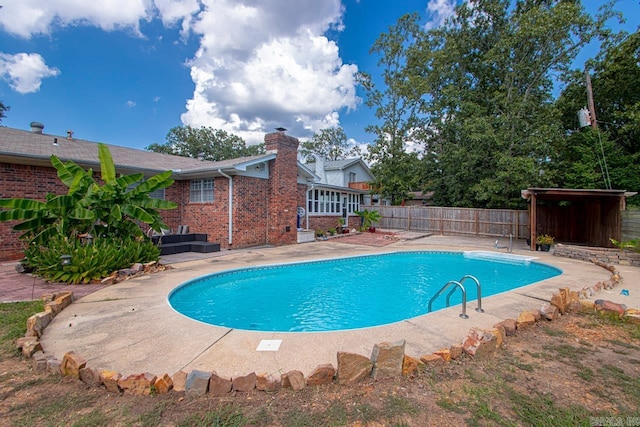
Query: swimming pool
column 346, row 293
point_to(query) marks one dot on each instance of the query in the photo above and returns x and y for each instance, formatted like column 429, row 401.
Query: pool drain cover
column 269, row 345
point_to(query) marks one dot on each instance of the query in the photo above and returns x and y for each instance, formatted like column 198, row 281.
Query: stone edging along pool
column 387, row 359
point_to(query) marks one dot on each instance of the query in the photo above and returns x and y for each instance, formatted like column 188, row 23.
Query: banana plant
column 115, row 208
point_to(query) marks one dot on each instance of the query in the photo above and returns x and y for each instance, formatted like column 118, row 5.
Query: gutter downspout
column 230, row 178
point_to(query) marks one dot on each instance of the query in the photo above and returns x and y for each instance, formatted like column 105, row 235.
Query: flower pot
column 372, row 229
column 545, row 248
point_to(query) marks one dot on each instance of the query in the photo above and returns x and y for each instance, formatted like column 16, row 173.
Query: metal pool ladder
column 458, row 284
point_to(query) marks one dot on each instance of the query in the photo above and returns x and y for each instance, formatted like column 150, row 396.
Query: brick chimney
column 283, row 194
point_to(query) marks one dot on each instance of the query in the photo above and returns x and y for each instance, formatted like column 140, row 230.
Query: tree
column 589, row 156
column 489, row 74
column 476, row 93
column 3, row 110
column 215, row 144
column 330, row 144
column 397, row 172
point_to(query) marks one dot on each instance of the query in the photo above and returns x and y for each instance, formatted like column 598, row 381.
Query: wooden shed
column 584, row 217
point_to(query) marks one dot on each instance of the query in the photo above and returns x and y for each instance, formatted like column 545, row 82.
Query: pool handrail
column 479, row 308
column 464, row 297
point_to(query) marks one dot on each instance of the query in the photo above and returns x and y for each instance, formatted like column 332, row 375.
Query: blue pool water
column 346, row 293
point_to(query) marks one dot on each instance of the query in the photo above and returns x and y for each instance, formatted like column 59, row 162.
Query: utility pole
column 590, row 103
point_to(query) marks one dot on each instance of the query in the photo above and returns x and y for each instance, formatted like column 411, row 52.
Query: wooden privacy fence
column 455, row 221
column 630, row 225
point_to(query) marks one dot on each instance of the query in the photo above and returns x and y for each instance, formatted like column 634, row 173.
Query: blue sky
column 124, row 72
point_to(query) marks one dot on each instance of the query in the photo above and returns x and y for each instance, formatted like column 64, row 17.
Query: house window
column 157, row 194
column 201, row 190
column 328, row 202
column 352, row 177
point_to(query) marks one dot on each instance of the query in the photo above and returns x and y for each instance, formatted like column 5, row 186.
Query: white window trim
column 197, row 195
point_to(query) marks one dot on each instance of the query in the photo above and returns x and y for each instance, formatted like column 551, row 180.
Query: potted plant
column 544, row 241
column 368, row 218
column 339, row 227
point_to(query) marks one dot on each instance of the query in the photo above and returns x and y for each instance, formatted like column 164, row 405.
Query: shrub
column 87, row 261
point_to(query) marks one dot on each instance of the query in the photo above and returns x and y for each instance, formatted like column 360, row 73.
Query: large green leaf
column 107, row 167
column 82, row 214
column 157, row 204
column 126, row 180
column 138, row 213
column 116, row 212
column 23, row 204
column 162, row 180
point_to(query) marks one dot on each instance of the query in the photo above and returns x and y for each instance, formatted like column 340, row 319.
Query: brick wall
column 264, row 211
column 16, row 181
column 283, row 194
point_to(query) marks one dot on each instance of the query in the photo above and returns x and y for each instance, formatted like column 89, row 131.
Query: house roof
column 567, row 194
column 25, row 147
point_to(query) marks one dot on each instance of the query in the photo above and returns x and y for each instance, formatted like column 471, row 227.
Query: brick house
column 242, row 202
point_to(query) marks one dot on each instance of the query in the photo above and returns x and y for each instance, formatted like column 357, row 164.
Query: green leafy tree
column 214, row 144
column 396, row 106
column 330, row 144
column 3, row 110
column 587, row 156
column 489, row 74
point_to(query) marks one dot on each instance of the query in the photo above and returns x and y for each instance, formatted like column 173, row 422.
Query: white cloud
column 263, row 66
column 26, row 18
column 439, row 11
column 131, row 104
column 24, row 71
column 259, row 65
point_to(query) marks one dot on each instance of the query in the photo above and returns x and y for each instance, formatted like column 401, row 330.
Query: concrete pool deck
column 130, row 328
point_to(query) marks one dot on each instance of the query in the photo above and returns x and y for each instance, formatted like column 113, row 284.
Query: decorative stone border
column 387, row 359
column 605, row 256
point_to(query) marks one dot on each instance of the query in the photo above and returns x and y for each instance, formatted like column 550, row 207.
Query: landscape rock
column 558, row 301
column 509, row 326
column 163, row 384
column 411, row 365
column 53, row 365
column 387, row 359
column 179, row 381
column 244, row 383
column 39, row 361
column 609, row 307
column 90, row 377
column 71, row 364
column 632, row 315
column 587, row 306
column 456, row 351
column 353, row 367
column 219, row 386
column 267, row 382
column 110, row 380
column 549, row 312
column 445, row 353
column 481, row 342
column 38, row 322
column 197, row 382
column 432, row 361
column 293, row 379
column 525, row 320
column 137, row 384
column 323, row 374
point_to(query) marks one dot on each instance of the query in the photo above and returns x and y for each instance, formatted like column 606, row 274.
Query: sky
column 125, row 72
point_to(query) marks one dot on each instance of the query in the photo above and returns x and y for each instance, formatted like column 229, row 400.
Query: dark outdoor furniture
column 178, row 243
